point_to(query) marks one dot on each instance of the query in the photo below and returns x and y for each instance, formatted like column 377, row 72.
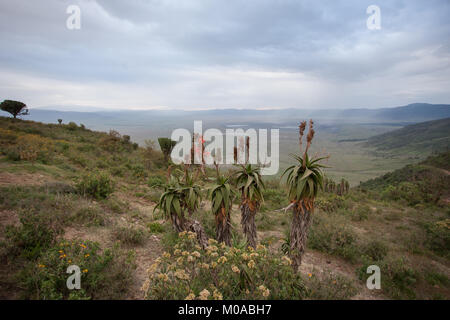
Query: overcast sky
column 199, row 54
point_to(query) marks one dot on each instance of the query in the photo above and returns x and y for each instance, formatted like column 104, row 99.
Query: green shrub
column 155, row 227
column 155, row 181
column 330, row 234
column 360, row 213
column 221, row 272
column 13, row 154
column 117, row 205
column 330, row 286
column 91, row 216
column 34, row 235
column 398, row 280
column 331, row 203
column 104, row 274
column 72, row 126
column 98, row 186
column 129, row 235
column 376, row 250
column 438, row 237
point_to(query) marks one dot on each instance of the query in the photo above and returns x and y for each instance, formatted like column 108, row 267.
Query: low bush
column 98, row 186
column 221, row 272
column 438, row 237
column 105, row 274
column 398, row 280
column 155, row 227
column 330, row 286
column 129, row 235
column 376, row 250
column 31, row 237
column 330, row 234
column 155, row 181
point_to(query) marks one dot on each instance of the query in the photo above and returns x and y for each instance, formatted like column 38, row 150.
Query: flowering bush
column 104, row 274
column 221, row 272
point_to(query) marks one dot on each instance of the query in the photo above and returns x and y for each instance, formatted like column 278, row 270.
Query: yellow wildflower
column 213, row 264
column 196, row 254
column 86, row 255
column 146, row 285
column 310, row 275
column 192, row 235
column 41, row 265
column 177, row 252
column 222, row 260
column 211, row 241
column 264, row 291
column 163, row 276
column 166, row 255
column 235, row 269
column 182, row 234
column 204, row 294
column 251, row 264
column 152, row 268
column 260, row 247
column 181, row 274
column 190, row 296
column 85, row 270
column 217, row 295
column 286, row 261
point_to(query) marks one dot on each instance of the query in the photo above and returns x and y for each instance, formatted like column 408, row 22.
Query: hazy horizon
column 106, row 109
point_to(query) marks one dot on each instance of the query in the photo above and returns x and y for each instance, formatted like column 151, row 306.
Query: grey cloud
column 198, row 49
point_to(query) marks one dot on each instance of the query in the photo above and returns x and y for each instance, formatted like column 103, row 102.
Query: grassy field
column 72, row 195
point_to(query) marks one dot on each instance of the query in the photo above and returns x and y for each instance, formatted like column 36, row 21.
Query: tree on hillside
column 166, row 145
column 60, row 121
column 303, row 180
column 250, row 183
column 16, row 108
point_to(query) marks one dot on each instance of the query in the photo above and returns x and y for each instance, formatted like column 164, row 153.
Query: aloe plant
column 251, row 186
column 192, row 196
column 221, row 196
column 170, row 203
column 304, row 179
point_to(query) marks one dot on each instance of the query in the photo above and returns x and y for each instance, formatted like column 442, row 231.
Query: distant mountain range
column 164, row 121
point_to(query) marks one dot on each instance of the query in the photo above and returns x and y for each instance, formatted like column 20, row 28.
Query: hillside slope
column 430, row 136
column 71, row 195
column 427, row 181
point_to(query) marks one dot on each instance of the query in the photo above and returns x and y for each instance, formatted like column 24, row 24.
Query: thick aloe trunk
column 301, row 221
column 223, row 227
column 180, row 224
column 248, row 212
